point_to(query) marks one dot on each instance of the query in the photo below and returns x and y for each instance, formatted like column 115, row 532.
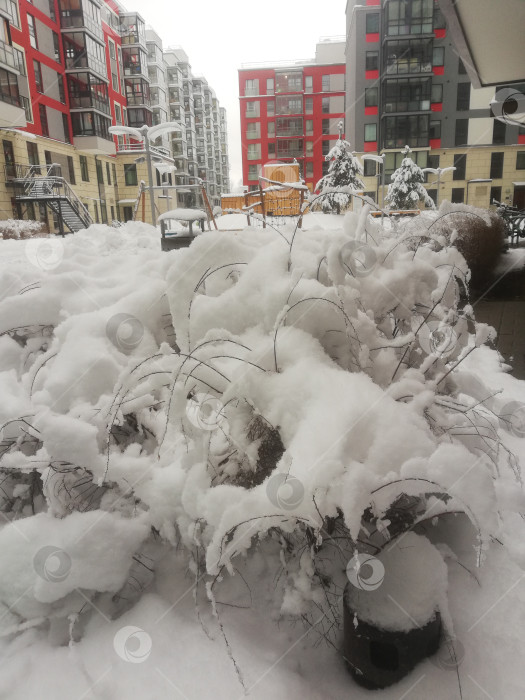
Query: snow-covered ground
column 93, row 332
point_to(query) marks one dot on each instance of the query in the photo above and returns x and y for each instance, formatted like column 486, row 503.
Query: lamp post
column 379, row 159
column 439, row 172
column 147, row 134
column 477, row 179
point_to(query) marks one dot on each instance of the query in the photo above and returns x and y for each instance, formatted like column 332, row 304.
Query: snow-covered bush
column 343, row 173
column 406, row 189
column 21, row 228
column 303, row 392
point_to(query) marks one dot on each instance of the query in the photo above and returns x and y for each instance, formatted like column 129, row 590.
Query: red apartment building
column 292, row 112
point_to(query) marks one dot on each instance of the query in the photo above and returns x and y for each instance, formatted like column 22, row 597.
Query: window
column 31, row 23
column 43, row 120
column 289, row 105
column 372, row 23
column 436, row 94
column 251, row 87
column 271, row 129
column 114, row 81
column 252, row 109
column 254, row 151
column 460, row 163
column 371, row 97
column 309, row 148
column 463, row 97
column 270, row 108
column 84, row 171
column 325, row 147
column 270, row 86
column 130, row 174
column 96, row 212
column 309, row 124
column 112, row 53
column 325, row 105
column 71, row 170
column 309, row 105
column 253, row 130
column 325, row 127
column 461, row 136
column 103, row 212
column 496, row 165
column 458, row 195
column 52, row 13
column 411, row 130
column 309, row 169
column 461, row 68
column 414, row 17
column 308, row 83
column 56, row 47
column 114, row 171
column 438, row 56
column 369, row 168
column 65, row 125
column 326, row 83
column 370, row 132
column 253, row 171
column 32, row 153
column 271, row 149
column 407, row 95
column 433, row 195
column 61, row 91
column 372, row 60
column 499, row 131
column 118, row 113
column 434, row 131
column 495, row 195
column 108, row 174
column 520, row 160
column 100, row 172
column 38, row 75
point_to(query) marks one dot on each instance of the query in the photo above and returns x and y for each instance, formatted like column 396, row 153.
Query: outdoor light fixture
column 379, row 159
column 439, row 172
column 147, row 134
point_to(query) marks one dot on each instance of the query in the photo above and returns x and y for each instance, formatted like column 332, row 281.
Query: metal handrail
column 52, row 184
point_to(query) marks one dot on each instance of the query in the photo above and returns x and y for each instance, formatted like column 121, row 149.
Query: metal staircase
column 40, row 184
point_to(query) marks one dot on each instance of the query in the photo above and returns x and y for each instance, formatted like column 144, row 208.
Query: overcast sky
column 219, row 36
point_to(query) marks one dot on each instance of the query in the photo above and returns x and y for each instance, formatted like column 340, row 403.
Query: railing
column 25, row 171
column 140, row 148
column 404, row 66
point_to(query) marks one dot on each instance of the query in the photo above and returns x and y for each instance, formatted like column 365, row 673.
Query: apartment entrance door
column 519, row 196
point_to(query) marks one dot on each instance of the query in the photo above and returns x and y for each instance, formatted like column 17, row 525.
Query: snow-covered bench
column 179, row 238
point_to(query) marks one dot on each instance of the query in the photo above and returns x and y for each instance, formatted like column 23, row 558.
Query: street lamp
column 379, row 159
column 439, row 172
column 147, row 134
column 477, row 179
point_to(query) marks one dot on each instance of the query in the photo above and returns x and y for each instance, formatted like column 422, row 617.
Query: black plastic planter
column 378, row 658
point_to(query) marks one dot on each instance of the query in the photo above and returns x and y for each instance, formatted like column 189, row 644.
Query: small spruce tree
column 343, row 171
column 406, row 189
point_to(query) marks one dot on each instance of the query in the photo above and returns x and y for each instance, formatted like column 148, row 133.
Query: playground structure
column 281, row 193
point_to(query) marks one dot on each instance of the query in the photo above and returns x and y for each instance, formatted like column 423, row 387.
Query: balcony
column 11, row 58
column 137, row 148
column 9, row 10
column 77, row 19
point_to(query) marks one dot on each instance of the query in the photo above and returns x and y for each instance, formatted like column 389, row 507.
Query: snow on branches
column 343, row 171
column 406, row 190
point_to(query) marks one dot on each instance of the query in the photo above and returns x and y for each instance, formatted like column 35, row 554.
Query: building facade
column 292, row 112
column 70, row 69
column 406, row 85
